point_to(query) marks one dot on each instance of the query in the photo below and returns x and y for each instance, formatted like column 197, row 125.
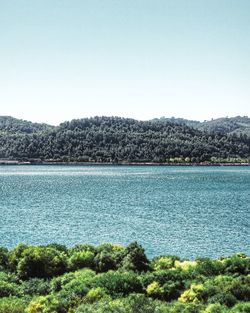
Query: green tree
column 134, row 258
column 41, row 262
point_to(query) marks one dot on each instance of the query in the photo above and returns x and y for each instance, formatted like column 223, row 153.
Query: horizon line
column 131, row 118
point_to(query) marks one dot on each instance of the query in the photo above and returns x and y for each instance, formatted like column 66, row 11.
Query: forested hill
column 114, row 139
column 11, row 125
column 239, row 125
column 228, row 125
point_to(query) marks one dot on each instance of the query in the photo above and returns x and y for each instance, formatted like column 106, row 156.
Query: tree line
column 114, row 140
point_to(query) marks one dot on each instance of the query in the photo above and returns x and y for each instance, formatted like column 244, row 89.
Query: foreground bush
column 111, row 278
column 13, row 305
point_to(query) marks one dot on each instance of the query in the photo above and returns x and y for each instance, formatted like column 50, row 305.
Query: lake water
column 185, row 211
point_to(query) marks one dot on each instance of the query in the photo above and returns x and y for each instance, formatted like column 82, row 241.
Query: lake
column 187, row 211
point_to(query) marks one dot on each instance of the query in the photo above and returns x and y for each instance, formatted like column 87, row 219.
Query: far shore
column 34, row 162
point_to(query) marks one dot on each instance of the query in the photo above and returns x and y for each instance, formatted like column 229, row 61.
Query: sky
column 65, row 59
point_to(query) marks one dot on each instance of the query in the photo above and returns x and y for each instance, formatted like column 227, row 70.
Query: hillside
column 11, row 125
column 227, row 125
column 239, row 125
column 115, row 139
column 178, row 120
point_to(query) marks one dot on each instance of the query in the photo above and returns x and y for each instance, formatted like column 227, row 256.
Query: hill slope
column 227, row 125
column 11, row 125
column 239, row 125
column 114, row 139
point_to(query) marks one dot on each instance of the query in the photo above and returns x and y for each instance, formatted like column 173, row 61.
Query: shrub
column 102, row 307
column 222, row 289
column 216, row 308
column 41, row 262
column 208, row 267
column 241, row 308
column 237, row 263
column 96, row 294
column 240, row 288
column 162, row 277
column 185, row 265
column 57, row 283
column 155, row 290
column 81, row 259
column 104, row 262
column 82, row 247
column 224, row 298
column 108, row 257
column 3, row 258
column 191, row 294
column 8, row 289
column 135, row 303
column 163, row 262
column 118, row 283
column 73, row 292
column 35, row 286
column 177, row 307
column 139, row 303
column 44, row 304
column 172, row 290
column 134, row 258
column 12, row 305
column 58, row 247
column 8, row 277
column 15, row 255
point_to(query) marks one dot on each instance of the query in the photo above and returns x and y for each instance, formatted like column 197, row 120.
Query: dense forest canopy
column 225, row 125
column 114, row 279
column 115, row 139
column 11, row 125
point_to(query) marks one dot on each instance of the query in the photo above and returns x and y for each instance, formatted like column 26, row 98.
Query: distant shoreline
column 16, row 162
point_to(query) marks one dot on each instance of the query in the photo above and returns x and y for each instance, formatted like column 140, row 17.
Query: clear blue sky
column 134, row 58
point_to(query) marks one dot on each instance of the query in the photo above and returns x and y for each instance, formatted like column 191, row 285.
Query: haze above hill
column 140, row 59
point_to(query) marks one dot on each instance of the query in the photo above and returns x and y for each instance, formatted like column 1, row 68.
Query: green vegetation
column 117, row 140
column 239, row 125
column 11, row 125
column 112, row 278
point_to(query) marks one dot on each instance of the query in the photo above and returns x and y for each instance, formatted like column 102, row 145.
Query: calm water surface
column 187, row 211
